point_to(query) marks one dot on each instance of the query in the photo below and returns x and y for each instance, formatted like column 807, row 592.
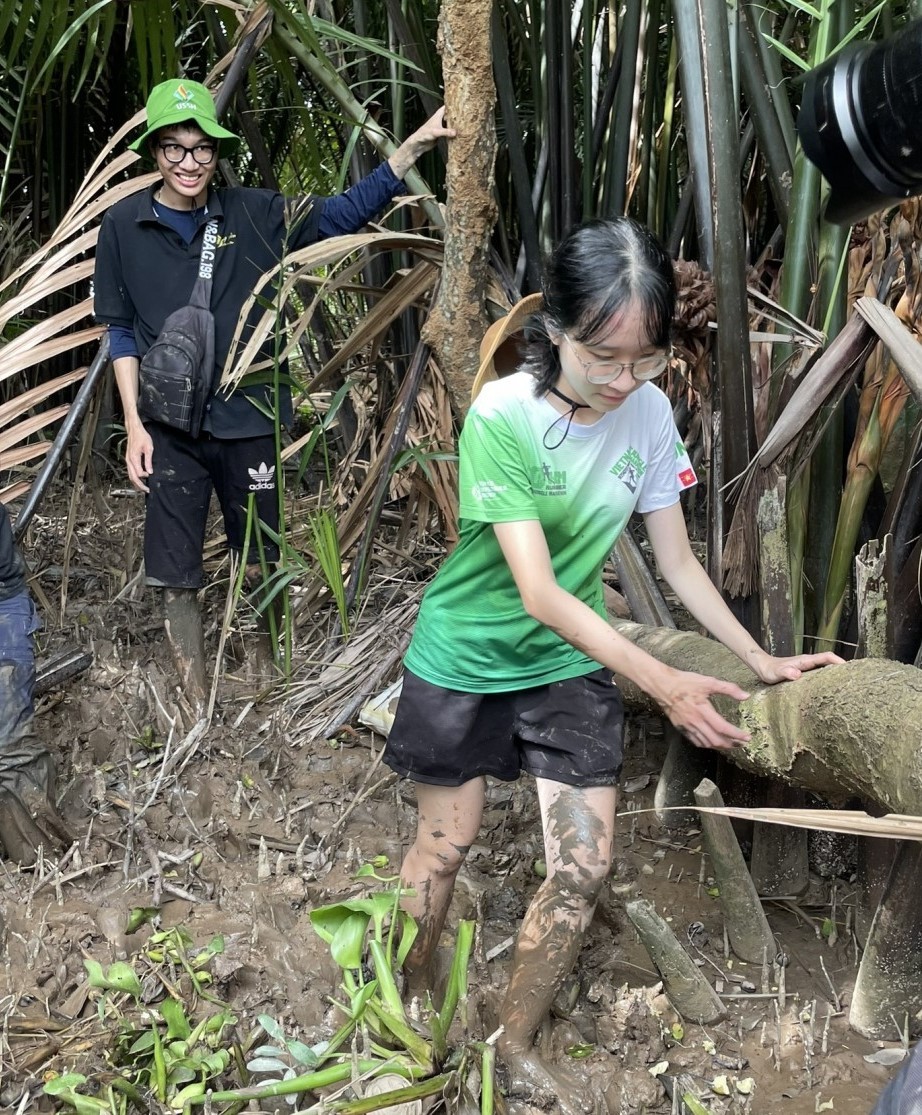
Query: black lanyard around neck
column 574, row 407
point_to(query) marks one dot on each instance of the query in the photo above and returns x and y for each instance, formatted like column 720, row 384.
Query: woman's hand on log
column 771, row 670
column 686, row 699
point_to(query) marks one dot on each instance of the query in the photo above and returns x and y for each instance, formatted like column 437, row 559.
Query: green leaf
column 303, row 1054
column 409, row 931
column 94, row 973
column 122, row 977
column 267, row 1064
column 72, row 30
column 216, row 1022
column 191, row 1091
column 139, row 916
column 365, row 871
column 215, row 1063
column 694, row 1105
column 216, row 945
column 181, row 1073
column 272, row 1028
column 799, row 62
column 326, row 920
column 142, row 1044
column 60, row 1084
column 119, row 977
column 348, row 942
column 807, row 9
column 581, row 1050
column 177, row 1025
column 360, row 999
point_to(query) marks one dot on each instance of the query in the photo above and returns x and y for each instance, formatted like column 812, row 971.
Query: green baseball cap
column 178, row 100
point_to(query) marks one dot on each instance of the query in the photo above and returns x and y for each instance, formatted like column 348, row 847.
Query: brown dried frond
column 696, row 303
column 742, row 548
column 696, row 308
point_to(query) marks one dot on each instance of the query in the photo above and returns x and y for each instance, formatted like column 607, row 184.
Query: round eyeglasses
column 604, row 371
column 203, row 153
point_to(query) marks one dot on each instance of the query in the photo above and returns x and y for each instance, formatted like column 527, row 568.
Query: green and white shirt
column 473, row 633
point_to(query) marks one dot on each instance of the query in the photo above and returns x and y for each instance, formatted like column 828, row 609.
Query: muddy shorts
column 568, row 731
column 186, row 471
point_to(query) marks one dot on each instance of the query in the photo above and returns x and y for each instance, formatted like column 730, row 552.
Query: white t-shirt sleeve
column 669, row 471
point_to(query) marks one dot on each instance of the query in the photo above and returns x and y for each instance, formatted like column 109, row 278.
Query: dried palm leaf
column 896, row 826
column 51, row 284
column 47, row 340
column 405, row 292
column 29, row 426
column 14, row 492
column 903, row 347
column 835, row 369
column 12, row 457
column 334, row 251
column 13, row 408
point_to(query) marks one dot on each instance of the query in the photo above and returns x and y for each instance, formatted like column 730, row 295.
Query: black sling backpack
column 176, row 371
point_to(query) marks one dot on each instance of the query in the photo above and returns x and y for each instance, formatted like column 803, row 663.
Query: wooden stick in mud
column 682, row 770
column 747, row 926
column 688, row 990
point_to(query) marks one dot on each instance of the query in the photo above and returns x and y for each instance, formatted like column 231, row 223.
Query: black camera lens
column 860, row 122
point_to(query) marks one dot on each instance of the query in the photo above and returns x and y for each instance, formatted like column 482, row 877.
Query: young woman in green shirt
column 510, row 668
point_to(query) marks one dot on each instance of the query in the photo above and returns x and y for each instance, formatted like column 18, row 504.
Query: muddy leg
column 185, row 635
column 449, row 820
column 578, row 832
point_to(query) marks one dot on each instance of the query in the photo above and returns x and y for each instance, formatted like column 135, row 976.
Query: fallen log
column 842, row 731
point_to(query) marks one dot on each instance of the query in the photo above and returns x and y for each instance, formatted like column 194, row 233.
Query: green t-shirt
column 473, row 633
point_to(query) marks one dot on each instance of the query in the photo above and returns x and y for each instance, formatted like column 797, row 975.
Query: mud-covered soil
column 241, row 830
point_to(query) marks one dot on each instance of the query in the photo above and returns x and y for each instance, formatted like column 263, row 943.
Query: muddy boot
column 182, row 621
column 28, row 817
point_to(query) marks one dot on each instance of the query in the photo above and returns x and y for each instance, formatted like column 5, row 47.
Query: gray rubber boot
column 182, row 621
column 28, row 817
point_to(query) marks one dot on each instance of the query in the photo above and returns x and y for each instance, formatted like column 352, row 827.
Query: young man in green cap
column 147, row 262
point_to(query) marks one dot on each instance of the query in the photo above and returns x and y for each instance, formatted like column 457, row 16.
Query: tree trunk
column 458, row 320
column 841, row 731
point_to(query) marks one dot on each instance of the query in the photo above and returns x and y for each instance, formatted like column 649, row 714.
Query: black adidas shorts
column 567, row 731
column 186, row 470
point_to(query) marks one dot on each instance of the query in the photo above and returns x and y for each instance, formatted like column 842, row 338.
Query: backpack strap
column 499, row 349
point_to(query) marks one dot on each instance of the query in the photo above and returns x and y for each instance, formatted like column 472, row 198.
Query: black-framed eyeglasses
column 604, row 371
column 203, row 153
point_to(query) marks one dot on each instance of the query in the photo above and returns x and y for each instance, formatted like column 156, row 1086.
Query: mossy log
column 841, row 731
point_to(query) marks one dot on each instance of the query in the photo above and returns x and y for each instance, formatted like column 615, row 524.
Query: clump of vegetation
column 171, row 1038
column 173, row 1045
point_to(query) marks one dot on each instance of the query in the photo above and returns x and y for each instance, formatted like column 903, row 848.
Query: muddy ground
column 243, row 828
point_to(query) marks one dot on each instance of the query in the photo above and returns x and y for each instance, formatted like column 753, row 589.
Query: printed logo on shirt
column 629, row 468
column 262, row 477
column 685, row 473
column 548, row 481
column 226, row 241
column 209, row 243
column 485, row 490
